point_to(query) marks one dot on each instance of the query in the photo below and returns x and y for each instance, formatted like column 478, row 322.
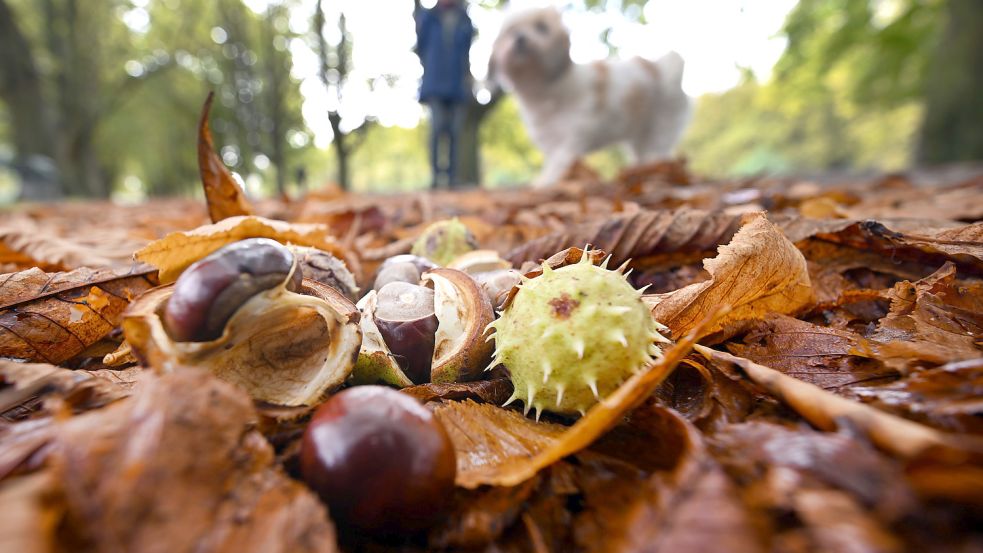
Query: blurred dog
column 573, row 109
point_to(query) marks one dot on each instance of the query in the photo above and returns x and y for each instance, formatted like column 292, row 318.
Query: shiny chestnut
column 380, row 460
column 209, row 291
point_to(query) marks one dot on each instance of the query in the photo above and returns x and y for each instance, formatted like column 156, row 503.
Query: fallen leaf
column 876, row 237
column 34, row 389
column 54, row 317
column 502, row 448
column 638, row 236
column 26, row 244
column 173, row 254
column 495, row 391
column 935, row 320
column 826, row 357
column 757, row 273
column 949, row 397
column 29, row 527
column 837, row 460
column 828, row 411
column 666, row 508
column 176, row 467
column 223, row 194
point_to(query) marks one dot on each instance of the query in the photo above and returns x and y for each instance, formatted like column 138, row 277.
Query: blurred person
column 444, row 34
column 573, row 109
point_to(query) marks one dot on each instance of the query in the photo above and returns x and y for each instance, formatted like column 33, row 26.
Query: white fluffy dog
column 573, row 109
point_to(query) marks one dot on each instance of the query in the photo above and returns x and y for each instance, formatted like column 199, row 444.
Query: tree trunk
column 20, row 89
column 953, row 110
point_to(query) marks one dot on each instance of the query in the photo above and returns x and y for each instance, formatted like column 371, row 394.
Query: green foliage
column 508, row 154
column 847, row 93
column 878, row 50
column 392, row 159
column 140, row 87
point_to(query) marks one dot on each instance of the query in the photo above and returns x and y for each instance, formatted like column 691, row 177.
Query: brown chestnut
column 402, row 268
column 405, row 317
column 209, row 291
column 380, row 460
column 497, row 284
column 327, row 269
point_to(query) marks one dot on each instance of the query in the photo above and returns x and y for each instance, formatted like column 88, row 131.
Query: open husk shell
column 376, row 364
column 463, row 312
column 284, row 348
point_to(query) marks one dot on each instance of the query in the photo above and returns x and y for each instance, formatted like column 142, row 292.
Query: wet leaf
column 52, row 317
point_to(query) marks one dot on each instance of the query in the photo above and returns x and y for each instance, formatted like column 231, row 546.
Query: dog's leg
column 555, row 166
column 664, row 134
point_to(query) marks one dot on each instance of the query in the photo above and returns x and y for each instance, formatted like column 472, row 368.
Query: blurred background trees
column 101, row 97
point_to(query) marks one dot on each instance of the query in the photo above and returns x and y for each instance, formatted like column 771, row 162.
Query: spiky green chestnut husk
column 443, row 241
column 572, row 335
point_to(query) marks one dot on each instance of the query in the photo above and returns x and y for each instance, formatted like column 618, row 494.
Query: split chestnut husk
column 375, row 364
column 284, row 348
column 405, row 317
column 460, row 349
column 463, row 312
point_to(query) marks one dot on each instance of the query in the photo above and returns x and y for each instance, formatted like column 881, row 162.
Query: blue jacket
column 446, row 67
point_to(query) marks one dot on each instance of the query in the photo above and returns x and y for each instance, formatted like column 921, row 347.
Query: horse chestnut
column 327, row 269
column 402, row 268
column 379, row 459
column 405, row 317
column 209, row 291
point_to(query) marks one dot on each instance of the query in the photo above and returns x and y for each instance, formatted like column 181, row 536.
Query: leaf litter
column 832, row 402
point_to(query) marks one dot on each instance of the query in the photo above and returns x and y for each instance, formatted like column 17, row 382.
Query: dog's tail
column 671, row 66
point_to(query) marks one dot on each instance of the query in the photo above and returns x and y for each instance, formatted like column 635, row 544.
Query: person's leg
column 455, row 126
column 438, row 117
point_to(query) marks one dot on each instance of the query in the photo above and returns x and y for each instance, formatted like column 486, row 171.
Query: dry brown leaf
column 495, row 460
column 176, row 467
column 223, row 194
column 30, row 514
column 960, row 246
column 490, row 440
column 637, row 236
column 826, row 357
column 26, row 244
column 828, row 411
column 176, row 251
column 489, row 391
column 933, row 321
column 30, row 389
column 963, row 201
column 949, row 397
column 667, row 507
column 54, row 317
column 757, row 273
